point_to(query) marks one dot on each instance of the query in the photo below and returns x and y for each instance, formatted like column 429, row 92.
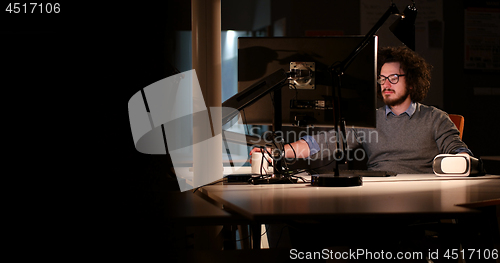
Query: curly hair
column 417, row 71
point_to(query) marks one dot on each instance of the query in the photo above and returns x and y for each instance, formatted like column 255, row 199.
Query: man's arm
column 298, row 149
column 447, row 136
column 308, row 145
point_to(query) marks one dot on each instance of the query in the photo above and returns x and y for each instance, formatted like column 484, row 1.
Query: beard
column 397, row 100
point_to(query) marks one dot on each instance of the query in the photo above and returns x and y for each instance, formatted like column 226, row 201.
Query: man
column 408, row 135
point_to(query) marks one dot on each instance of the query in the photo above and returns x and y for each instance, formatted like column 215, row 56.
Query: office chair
column 458, row 120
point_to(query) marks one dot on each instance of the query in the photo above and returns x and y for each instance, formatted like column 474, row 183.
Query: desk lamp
column 404, row 28
column 405, row 31
column 271, row 83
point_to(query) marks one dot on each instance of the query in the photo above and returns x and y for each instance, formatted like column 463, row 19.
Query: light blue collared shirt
column 410, row 111
column 313, row 144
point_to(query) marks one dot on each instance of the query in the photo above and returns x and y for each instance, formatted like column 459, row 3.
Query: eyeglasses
column 393, row 78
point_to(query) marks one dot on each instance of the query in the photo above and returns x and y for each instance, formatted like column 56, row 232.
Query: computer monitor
column 309, row 102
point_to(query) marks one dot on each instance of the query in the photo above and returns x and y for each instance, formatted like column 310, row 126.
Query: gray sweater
column 403, row 144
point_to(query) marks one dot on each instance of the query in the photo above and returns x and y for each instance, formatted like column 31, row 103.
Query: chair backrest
column 458, row 120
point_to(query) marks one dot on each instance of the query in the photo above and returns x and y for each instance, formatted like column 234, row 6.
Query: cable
column 282, row 149
column 262, row 163
column 277, row 147
column 249, row 236
column 294, row 154
column 287, row 171
column 266, row 151
column 281, row 232
column 245, row 121
column 296, row 90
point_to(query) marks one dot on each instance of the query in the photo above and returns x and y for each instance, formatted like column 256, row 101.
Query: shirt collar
column 410, row 111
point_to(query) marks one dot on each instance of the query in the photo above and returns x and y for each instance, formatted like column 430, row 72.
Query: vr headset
column 457, row 165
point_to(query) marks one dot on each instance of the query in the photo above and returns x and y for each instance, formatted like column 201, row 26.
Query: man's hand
column 259, row 149
column 262, row 150
column 300, row 150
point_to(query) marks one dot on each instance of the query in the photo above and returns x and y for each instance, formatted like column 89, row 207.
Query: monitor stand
column 333, row 180
column 336, row 179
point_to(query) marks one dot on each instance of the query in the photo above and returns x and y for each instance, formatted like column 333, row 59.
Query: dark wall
column 317, row 15
column 480, row 111
column 67, row 82
column 140, row 54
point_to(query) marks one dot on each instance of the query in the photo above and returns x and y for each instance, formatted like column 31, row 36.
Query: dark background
column 67, row 80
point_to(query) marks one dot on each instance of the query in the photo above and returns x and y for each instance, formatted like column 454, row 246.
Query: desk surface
column 404, row 195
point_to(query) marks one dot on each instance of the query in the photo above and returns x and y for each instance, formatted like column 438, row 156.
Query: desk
column 404, row 196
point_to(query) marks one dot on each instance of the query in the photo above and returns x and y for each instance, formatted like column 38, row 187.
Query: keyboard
column 368, row 173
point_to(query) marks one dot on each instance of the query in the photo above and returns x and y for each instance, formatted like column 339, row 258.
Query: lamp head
column 404, row 28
